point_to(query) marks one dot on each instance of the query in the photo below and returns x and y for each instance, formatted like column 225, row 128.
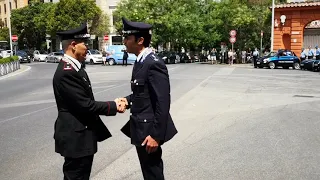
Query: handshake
column 122, row 104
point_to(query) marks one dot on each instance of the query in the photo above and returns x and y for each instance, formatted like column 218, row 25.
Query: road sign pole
column 232, row 54
column 261, row 36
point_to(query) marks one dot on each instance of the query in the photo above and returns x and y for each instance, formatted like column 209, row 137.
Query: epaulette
column 155, row 58
column 67, row 66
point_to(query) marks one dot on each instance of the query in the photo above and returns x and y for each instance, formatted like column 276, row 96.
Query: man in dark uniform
column 150, row 124
column 125, row 57
column 78, row 127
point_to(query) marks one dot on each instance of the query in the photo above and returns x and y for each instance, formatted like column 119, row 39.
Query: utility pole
column 272, row 26
column 9, row 25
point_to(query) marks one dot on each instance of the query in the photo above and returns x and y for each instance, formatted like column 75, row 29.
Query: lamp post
column 272, row 26
column 9, row 26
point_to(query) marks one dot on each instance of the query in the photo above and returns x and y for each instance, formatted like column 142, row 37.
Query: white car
column 54, row 57
column 39, row 56
column 94, row 56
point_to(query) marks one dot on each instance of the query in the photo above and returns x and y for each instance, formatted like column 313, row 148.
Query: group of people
column 78, row 127
column 310, row 53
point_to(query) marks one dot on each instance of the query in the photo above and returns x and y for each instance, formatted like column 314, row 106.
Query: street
column 234, row 122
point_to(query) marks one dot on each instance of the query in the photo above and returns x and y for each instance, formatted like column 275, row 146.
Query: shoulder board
column 154, row 57
column 67, row 66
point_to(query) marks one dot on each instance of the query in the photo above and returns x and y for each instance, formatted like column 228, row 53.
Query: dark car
column 169, row 57
column 284, row 59
column 316, row 66
column 23, row 56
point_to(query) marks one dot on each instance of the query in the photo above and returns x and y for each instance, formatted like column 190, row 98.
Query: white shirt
column 143, row 54
column 74, row 61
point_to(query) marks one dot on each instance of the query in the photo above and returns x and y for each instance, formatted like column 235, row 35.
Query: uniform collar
column 74, row 61
column 143, row 54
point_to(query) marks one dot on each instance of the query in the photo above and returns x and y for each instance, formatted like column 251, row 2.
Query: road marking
column 33, row 112
column 15, row 73
column 27, row 103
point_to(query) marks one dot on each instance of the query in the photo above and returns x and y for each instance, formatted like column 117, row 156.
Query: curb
column 23, row 68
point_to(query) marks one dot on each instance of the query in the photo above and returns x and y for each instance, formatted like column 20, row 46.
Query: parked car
column 115, row 55
column 169, row 57
column 39, row 55
column 284, row 59
column 23, row 56
column 307, row 64
column 54, row 57
column 93, row 56
column 316, row 66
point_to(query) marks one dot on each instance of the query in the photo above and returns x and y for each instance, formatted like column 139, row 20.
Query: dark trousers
column 124, row 60
column 151, row 164
column 77, row 168
column 255, row 58
column 310, row 57
column 317, row 57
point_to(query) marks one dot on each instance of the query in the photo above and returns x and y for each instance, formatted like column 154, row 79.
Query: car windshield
column 58, row 54
column 94, row 51
column 21, row 53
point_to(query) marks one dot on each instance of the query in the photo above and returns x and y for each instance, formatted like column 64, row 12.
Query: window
column 10, row 6
column 0, row 9
column 5, row 22
column 5, row 8
column 15, row 2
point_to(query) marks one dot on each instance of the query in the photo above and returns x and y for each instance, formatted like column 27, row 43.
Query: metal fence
column 9, row 67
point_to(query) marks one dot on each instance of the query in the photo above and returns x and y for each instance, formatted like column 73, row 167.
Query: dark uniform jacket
column 78, row 127
column 149, row 102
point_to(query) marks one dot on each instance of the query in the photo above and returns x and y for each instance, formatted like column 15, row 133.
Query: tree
column 68, row 14
column 29, row 23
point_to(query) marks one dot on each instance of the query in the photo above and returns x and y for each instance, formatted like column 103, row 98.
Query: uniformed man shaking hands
column 150, row 124
column 78, row 127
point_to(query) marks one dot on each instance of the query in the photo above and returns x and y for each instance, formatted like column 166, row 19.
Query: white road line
column 15, row 73
column 33, row 112
column 27, row 103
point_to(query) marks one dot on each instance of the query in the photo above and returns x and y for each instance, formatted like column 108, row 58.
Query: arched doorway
column 286, row 39
column 311, row 34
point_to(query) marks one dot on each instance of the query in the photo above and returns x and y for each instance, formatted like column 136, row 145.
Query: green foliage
column 33, row 22
column 9, row 59
column 199, row 24
column 4, row 34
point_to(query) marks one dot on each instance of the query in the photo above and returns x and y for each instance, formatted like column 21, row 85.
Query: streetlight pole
column 9, row 26
column 272, row 26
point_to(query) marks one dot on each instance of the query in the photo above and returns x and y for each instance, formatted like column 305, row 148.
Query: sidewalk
column 23, row 68
column 249, row 65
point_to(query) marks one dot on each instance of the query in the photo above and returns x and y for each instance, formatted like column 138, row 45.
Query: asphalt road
column 234, row 122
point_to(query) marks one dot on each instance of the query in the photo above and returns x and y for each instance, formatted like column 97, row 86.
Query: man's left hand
column 151, row 144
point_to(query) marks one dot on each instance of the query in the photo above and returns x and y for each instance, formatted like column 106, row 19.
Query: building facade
column 296, row 26
column 5, row 8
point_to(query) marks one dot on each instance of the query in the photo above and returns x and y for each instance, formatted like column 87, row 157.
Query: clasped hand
column 122, row 104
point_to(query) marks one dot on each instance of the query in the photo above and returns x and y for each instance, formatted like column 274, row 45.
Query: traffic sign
column 106, row 37
column 14, row 38
column 233, row 39
column 233, row 33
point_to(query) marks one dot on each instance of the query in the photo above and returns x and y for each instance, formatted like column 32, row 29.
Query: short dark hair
column 146, row 37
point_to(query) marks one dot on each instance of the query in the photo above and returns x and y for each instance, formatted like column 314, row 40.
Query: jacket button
column 131, row 103
column 145, row 120
column 136, row 83
column 86, row 127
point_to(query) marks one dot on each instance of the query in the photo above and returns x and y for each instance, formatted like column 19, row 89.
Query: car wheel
column 111, row 62
column 272, row 65
column 296, row 66
column 91, row 61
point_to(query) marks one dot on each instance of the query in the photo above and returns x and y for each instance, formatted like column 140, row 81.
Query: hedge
column 9, row 59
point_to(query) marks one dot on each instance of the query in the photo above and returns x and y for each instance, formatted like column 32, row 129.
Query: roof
column 297, row 4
